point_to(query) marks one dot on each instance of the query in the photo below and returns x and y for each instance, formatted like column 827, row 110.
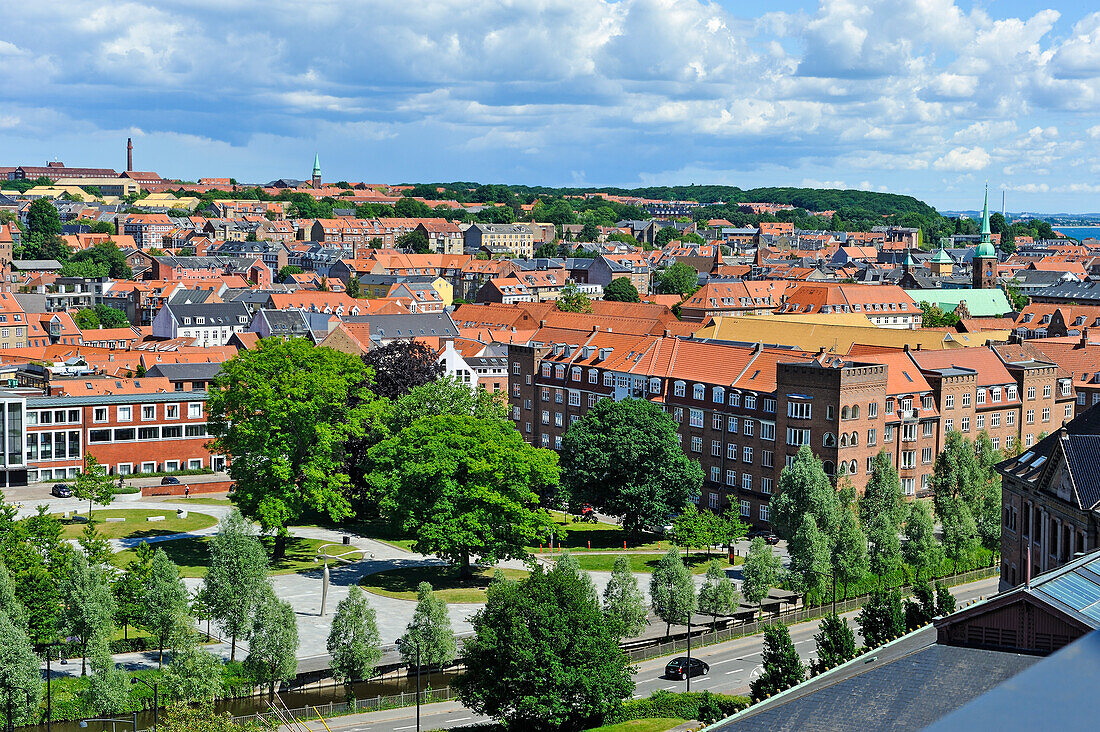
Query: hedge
column 661, row 704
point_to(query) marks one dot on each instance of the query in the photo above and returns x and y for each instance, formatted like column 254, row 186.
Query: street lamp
column 49, row 676
column 84, row 722
column 153, row 686
column 416, row 641
column 323, row 553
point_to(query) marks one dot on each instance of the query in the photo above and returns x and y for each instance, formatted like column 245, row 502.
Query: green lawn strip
column 192, row 556
column 696, row 562
column 401, row 583
column 641, row 725
column 136, row 524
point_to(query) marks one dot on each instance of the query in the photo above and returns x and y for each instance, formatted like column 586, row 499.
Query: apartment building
column 515, row 239
column 147, row 230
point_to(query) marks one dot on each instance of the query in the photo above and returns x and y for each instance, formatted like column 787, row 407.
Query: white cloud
column 961, row 158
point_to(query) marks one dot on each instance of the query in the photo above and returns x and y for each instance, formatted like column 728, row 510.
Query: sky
column 931, row 98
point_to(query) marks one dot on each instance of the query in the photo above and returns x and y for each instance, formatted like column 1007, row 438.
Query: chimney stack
column 129, row 155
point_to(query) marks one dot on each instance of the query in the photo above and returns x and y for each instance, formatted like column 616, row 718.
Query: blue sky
column 926, row 97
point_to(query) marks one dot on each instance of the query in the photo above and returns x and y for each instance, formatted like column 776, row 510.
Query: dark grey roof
column 1040, row 277
column 218, row 313
column 35, row 264
column 412, row 325
column 285, row 322
column 185, row 371
column 191, row 297
column 1082, row 292
column 903, row 686
column 1079, row 440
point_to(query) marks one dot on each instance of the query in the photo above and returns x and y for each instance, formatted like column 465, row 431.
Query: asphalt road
column 732, row 665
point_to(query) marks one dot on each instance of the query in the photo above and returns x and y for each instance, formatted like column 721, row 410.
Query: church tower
column 316, row 171
column 984, row 265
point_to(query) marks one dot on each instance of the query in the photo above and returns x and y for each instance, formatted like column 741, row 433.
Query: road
column 732, row 664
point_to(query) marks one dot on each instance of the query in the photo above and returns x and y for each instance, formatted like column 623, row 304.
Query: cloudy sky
column 926, row 97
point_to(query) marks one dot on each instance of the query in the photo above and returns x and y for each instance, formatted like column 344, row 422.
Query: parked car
column 169, row 480
column 769, row 537
column 61, row 491
column 678, row 667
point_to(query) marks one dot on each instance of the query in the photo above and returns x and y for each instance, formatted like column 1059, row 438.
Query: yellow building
column 168, row 200
column 57, row 192
column 107, row 186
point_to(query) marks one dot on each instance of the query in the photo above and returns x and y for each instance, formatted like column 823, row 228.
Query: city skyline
column 929, row 98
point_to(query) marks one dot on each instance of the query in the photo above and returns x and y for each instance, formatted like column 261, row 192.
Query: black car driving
column 61, row 490
column 769, row 537
column 678, row 667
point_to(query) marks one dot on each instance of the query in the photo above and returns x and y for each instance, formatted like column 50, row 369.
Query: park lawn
column 401, row 583
column 136, row 524
column 192, row 556
column 696, row 562
column 641, row 725
column 598, row 536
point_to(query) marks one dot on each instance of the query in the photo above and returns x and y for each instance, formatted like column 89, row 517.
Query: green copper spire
column 985, row 248
column 942, row 257
column 317, row 167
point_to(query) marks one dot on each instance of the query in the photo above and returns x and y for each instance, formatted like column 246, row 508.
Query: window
column 948, row 425
column 515, row 368
column 888, row 433
column 926, row 456
column 746, row 509
column 679, row 388
column 716, row 422
column 559, row 371
column 713, row 501
column 125, row 414
column 1030, row 417
column 1010, row 392
column 765, row 513
column 870, row 464
column 148, row 412
column 995, row 393
column 1010, row 418
column 1046, row 391
column 908, row 459
column 799, row 410
column 750, row 401
column 1009, row 442
column 148, row 433
column 908, row 433
column 546, row 370
column 1030, row 393
column 797, row 437
column 746, row 454
column 557, row 419
column 872, row 410
column 171, row 431
column 557, row 397
column 769, row 405
column 889, row 406
column 678, row 414
column 965, row 426
column 966, row 399
column 731, row 477
column 981, row 396
column 746, row 482
column 731, row 425
column 718, row 395
column 695, row 417
column 766, row 486
column 546, row 395
column 731, row 451
column 767, row 431
column 908, row 485
column 715, row 474
column 949, row 401
column 557, row 442
column 1046, row 414
column 545, row 416
column 748, row 427
column 928, row 428
column 99, row 414
column 698, row 392
column 126, row 434
column 872, row 437
column 574, row 398
column 979, row 422
column 194, row 430
column 608, row 378
column 593, row 376
column 716, row 448
column 194, row 410
column 767, row 459
column 735, row 399
column 575, row 373
column 696, row 444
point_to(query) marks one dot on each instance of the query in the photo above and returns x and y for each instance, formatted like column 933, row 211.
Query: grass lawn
column 696, row 562
column 402, row 583
column 136, row 524
column 641, row 725
column 192, row 556
column 601, row 536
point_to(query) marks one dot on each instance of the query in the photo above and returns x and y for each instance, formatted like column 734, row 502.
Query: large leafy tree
column 921, row 549
column 804, row 488
column 441, row 396
column 237, row 577
column 882, row 509
column 623, row 457
column 88, row 606
column 353, row 641
column 20, row 669
column 543, row 656
column 672, row 590
column 129, row 588
column 284, row 411
column 464, row 487
column 194, row 675
column 273, row 643
column 167, row 612
column 623, row 602
column 401, row 365
column 9, row 603
column 679, row 279
column 102, row 260
column 621, row 289
column 93, row 485
column 109, row 685
column 572, row 300
column 882, row 618
column 782, row 666
column 429, row 632
column 836, row 643
column 849, row 559
column 810, row 558
column 718, row 595
column 761, row 571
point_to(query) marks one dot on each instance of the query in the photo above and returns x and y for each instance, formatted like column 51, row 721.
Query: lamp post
column 416, row 641
column 49, row 676
column 323, row 553
column 688, row 674
column 153, row 686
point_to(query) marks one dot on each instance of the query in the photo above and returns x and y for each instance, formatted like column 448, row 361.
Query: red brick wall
column 219, row 486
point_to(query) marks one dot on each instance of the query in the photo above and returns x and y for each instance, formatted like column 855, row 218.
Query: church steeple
column 985, row 247
column 984, row 265
column 317, row 171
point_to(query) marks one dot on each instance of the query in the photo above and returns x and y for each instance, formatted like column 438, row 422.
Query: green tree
column 621, row 289
column 464, row 486
column 542, row 656
column 692, row 528
column 921, row 608
column 401, row 365
column 679, row 279
column 623, row 602
column 945, row 601
column 94, row 485
column 109, row 685
column 782, row 666
column 353, row 642
column 129, row 589
column 849, row 558
column 956, row 473
column 88, row 606
column 167, row 616
column 804, row 488
column 718, row 595
column 921, row 550
column 273, row 643
column 572, row 300
column 286, row 270
column 193, row 675
column 415, row 241
column 672, row 590
column 182, row 717
column 104, row 260
column 760, row 572
column 881, row 510
column 9, row 603
column 883, row 546
column 836, row 643
column 881, row 619
column 810, row 558
column 443, row 396
column 42, row 219
column 96, row 548
column 354, row 290
column 960, row 533
column 20, row 669
column 285, row 410
column 237, row 577
column 665, row 236
column 590, row 232
column 624, row 458
column 430, row 630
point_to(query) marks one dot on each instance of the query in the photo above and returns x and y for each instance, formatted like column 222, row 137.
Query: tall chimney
column 129, row 154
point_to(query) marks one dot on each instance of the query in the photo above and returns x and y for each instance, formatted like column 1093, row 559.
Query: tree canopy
column 621, row 289
column 401, row 365
column 679, row 279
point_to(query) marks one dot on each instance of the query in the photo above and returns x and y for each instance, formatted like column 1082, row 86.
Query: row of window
column 129, row 434
column 148, row 412
column 59, row 445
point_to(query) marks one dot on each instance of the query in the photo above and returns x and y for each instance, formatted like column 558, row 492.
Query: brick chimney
column 129, row 154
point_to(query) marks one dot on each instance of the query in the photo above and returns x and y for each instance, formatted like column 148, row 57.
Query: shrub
column 661, row 704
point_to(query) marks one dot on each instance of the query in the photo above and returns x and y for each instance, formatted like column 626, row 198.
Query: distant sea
column 1079, row 232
